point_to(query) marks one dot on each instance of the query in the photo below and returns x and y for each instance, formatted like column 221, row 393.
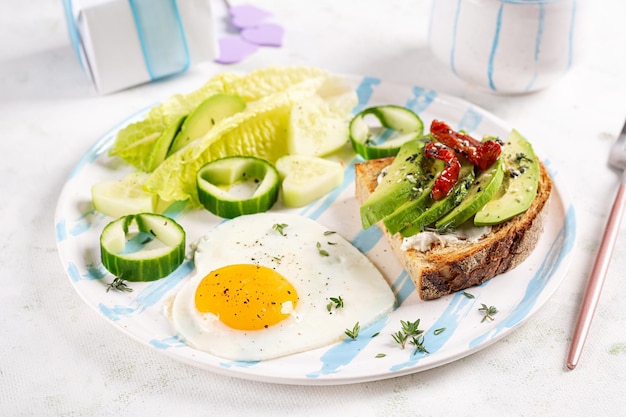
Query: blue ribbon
column 160, row 32
column 162, row 36
column 72, row 29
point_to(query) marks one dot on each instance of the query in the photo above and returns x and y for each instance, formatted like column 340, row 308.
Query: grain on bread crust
column 444, row 270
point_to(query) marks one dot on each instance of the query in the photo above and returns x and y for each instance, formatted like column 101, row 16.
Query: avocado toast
column 506, row 225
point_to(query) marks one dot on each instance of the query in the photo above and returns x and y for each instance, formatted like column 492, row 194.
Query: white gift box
column 122, row 43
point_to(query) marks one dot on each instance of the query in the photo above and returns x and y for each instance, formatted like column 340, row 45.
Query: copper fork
column 617, row 159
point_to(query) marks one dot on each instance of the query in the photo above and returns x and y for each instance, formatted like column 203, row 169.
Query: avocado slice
column 482, row 190
column 403, row 215
column 208, row 113
column 437, row 209
column 406, row 179
column 519, row 187
column 164, row 143
column 411, row 214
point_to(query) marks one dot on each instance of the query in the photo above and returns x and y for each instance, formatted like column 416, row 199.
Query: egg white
column 345, row 272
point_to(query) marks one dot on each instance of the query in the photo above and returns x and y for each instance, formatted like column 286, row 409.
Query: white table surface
column 58, row 357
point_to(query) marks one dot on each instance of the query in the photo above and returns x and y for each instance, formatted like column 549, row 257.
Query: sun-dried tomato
column 480, row 154
column 450, row 174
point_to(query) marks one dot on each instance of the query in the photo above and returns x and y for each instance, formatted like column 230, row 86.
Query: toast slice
column 444, row 270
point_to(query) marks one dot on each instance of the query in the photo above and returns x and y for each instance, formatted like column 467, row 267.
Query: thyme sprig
column 354, row 333
column 400, row 338
column 409, row 329
column 418, row 342
column 280, row 228
column 488, row 312
column 335, row 302
column 118, row 284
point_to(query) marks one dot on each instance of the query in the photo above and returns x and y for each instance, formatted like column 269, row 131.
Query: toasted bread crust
column 444, row 270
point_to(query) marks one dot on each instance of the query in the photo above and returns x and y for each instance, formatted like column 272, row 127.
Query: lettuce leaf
column 134, row 143
column 260, row 130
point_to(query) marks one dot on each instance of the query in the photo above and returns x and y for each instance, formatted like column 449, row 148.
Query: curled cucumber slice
column 142, row 247
column 236, row 185
column 395, row 126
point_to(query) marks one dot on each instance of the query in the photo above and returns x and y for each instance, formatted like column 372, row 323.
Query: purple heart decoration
column 233, row 49
column 245, row 16
column 267, row 34
column 249, row 21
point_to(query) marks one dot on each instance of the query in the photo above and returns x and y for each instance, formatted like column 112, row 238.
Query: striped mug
column 507, row 46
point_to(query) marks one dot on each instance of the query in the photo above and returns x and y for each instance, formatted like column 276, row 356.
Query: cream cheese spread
column 466, row 234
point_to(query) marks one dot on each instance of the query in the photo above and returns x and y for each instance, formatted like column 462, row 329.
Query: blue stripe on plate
column 148, row 296
column 61, row 230
column 167, row 343
column 560, row 247
column 364, row 92
column 421, row 99
column 457, row 309
column 403, row 287
column 343, row 353
column 470, row 121
column 92, row 272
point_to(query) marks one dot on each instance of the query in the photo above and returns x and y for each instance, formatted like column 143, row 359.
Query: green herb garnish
column 335, row 302
column 118, row 284
column 321, row 251
column 409, row 328
column 439, row 331
column 418, row 342
column 488, row 312
column 280, row 227
column 400, row 338
column 519, row 157
column 468, row 295
column 352, row 334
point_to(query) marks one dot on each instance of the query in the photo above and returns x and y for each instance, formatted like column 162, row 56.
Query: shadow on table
column 45, row 75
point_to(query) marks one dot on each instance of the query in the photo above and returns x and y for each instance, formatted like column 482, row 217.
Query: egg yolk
column 246, row 296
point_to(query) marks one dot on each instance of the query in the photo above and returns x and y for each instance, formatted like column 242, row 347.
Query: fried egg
column 264, row 284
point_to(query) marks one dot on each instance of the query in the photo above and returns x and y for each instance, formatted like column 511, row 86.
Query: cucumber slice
column 142, row 247
column 396, row 125
column 209, row 113
column 120, row 198
column 314, row 129
column 236, row 185
column 307, row 178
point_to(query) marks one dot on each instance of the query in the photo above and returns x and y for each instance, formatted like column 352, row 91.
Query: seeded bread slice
column 444, row 270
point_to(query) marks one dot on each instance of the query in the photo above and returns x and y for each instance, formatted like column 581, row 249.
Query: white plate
column 517, row 294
